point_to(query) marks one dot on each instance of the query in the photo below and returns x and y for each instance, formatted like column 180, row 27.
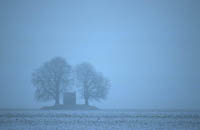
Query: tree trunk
column 57, row 99
column 86, row 97
column 86, row 102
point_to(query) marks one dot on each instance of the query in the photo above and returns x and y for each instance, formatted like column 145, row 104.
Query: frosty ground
column 99, row 120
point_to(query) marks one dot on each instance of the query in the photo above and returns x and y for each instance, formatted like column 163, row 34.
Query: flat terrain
column 99, row 120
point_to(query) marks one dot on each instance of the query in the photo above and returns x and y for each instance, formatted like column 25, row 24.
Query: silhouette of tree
column 92, row 85
column 51, row 79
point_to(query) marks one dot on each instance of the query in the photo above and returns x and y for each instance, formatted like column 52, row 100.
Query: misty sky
column 149, row 49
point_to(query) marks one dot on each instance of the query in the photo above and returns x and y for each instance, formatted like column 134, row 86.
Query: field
column 99, row 120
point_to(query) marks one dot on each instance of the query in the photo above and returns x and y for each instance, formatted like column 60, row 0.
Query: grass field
column 99, row 120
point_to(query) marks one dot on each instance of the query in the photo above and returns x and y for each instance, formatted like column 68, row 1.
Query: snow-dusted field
column 99, row 120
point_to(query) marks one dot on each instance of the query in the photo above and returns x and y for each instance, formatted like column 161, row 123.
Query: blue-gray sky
column 150, row 50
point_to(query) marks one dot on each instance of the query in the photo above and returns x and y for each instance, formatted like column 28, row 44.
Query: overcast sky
column 150, row 50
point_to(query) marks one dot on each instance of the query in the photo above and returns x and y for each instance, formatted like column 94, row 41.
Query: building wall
column 69, row 98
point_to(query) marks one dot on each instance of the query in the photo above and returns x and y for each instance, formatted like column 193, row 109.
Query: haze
column 148, row 49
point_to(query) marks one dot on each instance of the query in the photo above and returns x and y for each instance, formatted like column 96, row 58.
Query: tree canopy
column 92, row 84
column 51, row 79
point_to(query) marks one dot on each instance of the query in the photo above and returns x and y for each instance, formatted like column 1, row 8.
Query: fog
column 148, row 49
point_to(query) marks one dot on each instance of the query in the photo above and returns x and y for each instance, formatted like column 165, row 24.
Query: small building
column 69, row 98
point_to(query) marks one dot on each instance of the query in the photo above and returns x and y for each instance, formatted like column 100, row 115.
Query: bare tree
column 51, row 79
column 92, row 85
